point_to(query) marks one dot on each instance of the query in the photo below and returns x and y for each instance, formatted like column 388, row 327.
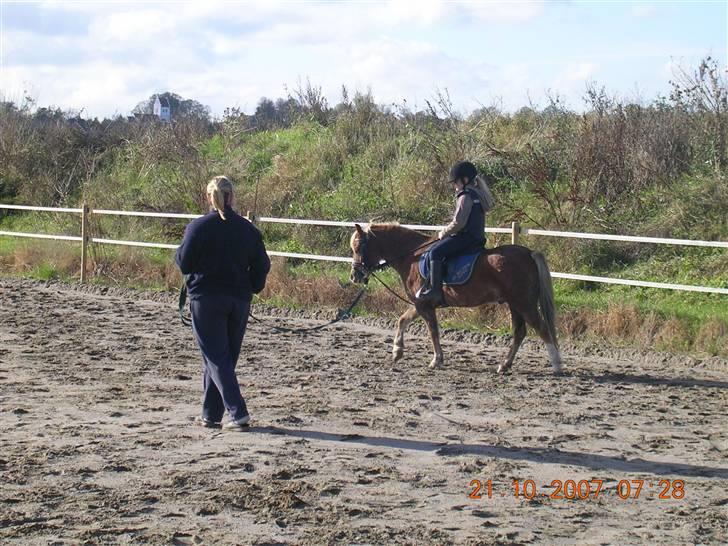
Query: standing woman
column 224, row 262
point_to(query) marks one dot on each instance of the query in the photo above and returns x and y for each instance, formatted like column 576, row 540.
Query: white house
column 161, row 109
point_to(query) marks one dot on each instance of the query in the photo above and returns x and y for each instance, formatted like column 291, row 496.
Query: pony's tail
column 546, row 296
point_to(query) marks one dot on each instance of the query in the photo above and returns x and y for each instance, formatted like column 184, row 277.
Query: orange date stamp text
column 579, row 489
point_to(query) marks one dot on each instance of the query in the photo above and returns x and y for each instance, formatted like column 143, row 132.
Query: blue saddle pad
column 457, row 269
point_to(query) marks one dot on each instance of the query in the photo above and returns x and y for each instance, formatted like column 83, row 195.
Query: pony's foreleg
column 402, row 324
column 430, row 317
column 519, row 333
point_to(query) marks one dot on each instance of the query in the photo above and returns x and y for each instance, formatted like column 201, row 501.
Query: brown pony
column 509, row 274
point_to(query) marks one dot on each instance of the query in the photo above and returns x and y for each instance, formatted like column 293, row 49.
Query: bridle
column 361, row 266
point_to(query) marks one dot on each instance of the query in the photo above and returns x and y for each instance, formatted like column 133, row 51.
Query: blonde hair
column 220, row 192
column 487, row 201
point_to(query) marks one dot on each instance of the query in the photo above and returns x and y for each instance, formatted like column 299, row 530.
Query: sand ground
column 99, row 393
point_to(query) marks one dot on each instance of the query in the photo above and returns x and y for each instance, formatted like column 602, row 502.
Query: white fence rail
column 42, row 236
column 515, row 230
column 624, row 238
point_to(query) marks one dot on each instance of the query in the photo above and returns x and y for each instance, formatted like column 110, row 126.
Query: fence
column 516, row 231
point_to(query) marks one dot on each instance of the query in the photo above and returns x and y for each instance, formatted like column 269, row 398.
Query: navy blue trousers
column 453, row 246
column 219, row 323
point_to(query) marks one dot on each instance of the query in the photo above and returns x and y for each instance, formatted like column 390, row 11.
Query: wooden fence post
column 515, row 232
column 84, row 241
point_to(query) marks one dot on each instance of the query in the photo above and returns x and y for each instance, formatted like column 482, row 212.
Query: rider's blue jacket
column 223, row 256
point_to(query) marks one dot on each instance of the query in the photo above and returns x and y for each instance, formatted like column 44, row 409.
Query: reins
column 390, row 290
column 371, row 270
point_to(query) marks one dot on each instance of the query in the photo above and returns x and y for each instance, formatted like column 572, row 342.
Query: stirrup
column 426, row 296
column 423, row 290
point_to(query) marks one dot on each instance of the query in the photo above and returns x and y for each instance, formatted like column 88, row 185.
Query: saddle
column 457, row 269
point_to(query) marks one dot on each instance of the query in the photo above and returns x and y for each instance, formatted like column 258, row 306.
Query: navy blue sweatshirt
column 223, row 256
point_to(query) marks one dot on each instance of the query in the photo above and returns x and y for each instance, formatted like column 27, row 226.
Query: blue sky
column 104, row 57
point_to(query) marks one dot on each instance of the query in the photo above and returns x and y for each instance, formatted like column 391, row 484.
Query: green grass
column 8, row 245
column 691, row 307
column 45, row 272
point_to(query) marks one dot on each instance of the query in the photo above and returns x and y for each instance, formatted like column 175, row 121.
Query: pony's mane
column 390, row 238
column 383, row 227
column 397, row 233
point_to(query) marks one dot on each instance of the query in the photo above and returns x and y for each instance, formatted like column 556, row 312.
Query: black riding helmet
column 463, row 169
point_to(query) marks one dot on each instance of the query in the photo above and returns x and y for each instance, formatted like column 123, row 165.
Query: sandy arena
column 99, row 393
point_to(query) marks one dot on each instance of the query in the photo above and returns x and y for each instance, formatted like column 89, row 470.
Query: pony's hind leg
column 519, row 333
column 534, row 320
column 430, row 317
column 404, row 321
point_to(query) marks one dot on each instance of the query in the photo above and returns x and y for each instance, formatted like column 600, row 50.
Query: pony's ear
column 359, row 229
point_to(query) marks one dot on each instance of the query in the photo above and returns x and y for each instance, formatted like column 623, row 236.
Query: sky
column 102, row 58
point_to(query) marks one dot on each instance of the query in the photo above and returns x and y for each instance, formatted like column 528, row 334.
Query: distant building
column 161, row 109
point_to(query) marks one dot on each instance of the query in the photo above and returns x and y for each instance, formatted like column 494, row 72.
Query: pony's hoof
column 436, row 363
column 503, row 368
column 397, row 354
column 558, row 369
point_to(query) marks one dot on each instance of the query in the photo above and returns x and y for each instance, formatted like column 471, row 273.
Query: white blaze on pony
column 510, row 274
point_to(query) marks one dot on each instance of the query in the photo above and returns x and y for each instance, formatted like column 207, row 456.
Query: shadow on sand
column 659, row 381
column 530, row 454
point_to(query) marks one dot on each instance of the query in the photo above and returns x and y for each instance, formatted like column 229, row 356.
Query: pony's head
column 379, row 245
column 362, row 263
column 368, row 255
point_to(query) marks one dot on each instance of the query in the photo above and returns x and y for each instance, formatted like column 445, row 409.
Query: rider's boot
column 433, row 292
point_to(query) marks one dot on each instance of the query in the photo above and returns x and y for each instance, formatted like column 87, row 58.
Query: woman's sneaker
column 238, row 424
column 209, row 423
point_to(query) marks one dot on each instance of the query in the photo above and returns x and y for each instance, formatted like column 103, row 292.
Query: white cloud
column 96, row 88
column 642, row 10
column 504, row 11
column 233, row 53
column 570, row 82
column 670, row 67
column 128, row 28
column 580, row 72
column 425, row 12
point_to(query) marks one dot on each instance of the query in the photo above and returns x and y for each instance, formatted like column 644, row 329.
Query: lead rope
column 343, row 314
column 181, row 303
